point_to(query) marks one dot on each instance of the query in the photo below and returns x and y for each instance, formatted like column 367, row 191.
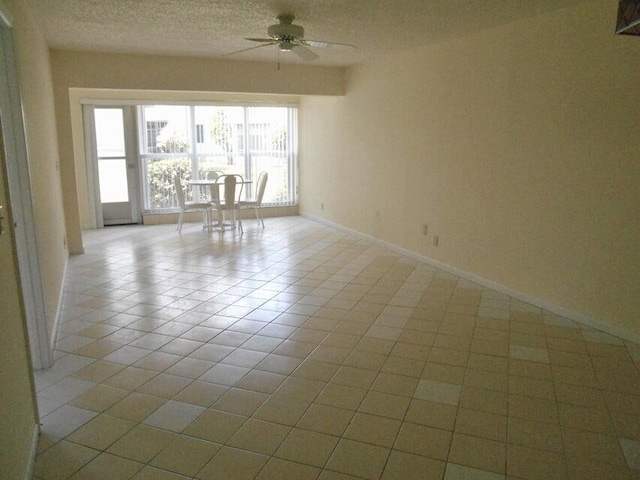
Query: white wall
column 517, row 146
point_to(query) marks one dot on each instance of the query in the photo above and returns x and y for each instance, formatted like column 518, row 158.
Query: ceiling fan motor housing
column 286, row 32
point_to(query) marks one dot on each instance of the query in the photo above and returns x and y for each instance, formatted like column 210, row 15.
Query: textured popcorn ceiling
column 215, row 27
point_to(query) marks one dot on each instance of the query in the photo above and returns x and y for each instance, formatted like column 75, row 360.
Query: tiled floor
column 300, row 352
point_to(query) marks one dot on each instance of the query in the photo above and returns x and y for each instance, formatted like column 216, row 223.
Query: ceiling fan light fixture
column 285, row 46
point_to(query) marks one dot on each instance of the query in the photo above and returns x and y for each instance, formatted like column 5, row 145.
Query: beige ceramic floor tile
column 484, row 400
column 385, row 405
column 101, row 432
column 259, row 436
column 286, row 411
column 481, row 424
column 97, row 349
column 62, row 460
column 142, row 443
column 373, row 429
column 528, row 463
column 406, row 466
column 478, row 453
column 164, row 385
column 215, row 426
column 152, row 473
column 185, row 455
column 259, row 381
column 315, row 370
column 438, row 392
column 307, row 447
column 130, row 378
column 278, row 469
column 326, row 419
column 461, row 472
column 359, row 459
column 189, row 367
column 585, row 418
column 538, row 435
column 158, row 361
column 233, row 464
column 136, row 407
column 107, row 467
column 300, row 388
column 421, row 440
column 590, row 446
column 240, row 402
column 341, row 396
column 98, row 371
column 431, row 414
column 354, row 377
column 99, row 398
column 201, row 393
column 534, row 409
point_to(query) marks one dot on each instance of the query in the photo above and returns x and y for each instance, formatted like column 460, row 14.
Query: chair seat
column 248, row 202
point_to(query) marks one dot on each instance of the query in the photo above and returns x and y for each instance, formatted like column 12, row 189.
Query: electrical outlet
column 378, row 214
column 435, row 240
column 425, row 229
column 321, row 205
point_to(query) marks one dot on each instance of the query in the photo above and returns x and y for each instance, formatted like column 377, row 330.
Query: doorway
column 113, row 163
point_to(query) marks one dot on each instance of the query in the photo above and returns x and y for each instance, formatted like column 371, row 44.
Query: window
column 193, row 140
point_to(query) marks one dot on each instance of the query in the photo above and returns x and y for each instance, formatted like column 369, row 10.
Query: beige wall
column 91, row 70
column 517, row 146
column 37, row 97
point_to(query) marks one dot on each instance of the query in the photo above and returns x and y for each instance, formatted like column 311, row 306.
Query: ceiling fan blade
column 323, row 44
column 261, row 40
column 304, row 53
column 247, row 49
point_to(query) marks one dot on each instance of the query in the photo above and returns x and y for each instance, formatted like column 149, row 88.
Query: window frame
column 192, row 153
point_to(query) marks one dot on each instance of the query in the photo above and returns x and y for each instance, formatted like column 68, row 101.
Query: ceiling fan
column 290, row 38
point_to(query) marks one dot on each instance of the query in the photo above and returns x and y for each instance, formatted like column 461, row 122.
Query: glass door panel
column 113, row 180
column 116, row 166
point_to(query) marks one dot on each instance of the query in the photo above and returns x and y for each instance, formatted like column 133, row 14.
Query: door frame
column 18, row 176
column 131, row 153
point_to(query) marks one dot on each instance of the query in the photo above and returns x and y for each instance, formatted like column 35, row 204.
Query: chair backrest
column 262, row 183
column 179, row 191
column 213, row 189
column 232, row 193
column 230, row 190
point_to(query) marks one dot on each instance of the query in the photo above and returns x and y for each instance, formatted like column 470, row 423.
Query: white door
column 115, row 165
column 19, row 238
column 10, row 287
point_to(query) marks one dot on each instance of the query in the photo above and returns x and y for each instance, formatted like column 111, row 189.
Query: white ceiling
column 215, row 27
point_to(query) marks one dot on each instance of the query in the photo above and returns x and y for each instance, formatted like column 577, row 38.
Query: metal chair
column 230, row 201
column 188, row 206
column 256, row 203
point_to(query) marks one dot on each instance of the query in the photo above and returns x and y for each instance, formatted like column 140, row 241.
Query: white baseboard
column 33, row 451
column 574, row 315
column 56, row 321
